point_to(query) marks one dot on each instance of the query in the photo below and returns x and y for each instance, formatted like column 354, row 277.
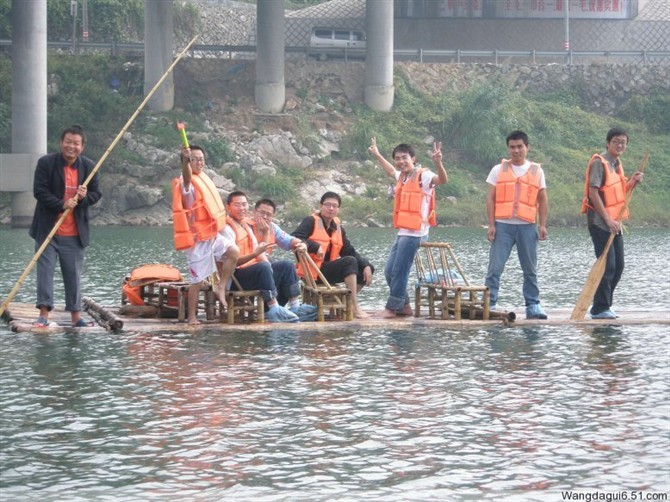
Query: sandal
column 42, row 322
column 82, row 324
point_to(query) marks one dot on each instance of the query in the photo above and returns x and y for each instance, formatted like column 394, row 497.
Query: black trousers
column 602, row 300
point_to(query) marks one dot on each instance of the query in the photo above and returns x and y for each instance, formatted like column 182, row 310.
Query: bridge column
column 158, row 41
column 270, row 84
column 29, row 101
column 378, row 93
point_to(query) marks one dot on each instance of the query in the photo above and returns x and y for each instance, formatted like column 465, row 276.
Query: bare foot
column 387, row 314
column 407, row 310
column 193, row 322
column 221, row 294
column 361, row 315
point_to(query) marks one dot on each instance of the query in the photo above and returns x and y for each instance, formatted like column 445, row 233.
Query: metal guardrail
column 420, row 55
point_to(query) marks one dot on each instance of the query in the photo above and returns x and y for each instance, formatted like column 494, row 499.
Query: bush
column 654, row 111
column 274, row 187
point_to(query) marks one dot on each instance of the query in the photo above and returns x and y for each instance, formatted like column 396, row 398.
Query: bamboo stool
column 438, row 285
column 243, row 306
column 335, row 300
column 173, row 296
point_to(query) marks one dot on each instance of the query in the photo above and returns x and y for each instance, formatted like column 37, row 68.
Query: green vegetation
column 101, row 93
column 472, row 125
column 120, row 20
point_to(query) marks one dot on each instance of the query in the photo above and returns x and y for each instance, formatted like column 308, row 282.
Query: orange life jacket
column 407, row 204
column 320, row 235
column 244, row 238
column 269, row 238
column 202, row 221
column 613, row 190
column 145, row 275
column 517, row 195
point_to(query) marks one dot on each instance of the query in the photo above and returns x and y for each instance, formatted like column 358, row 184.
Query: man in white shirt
column 517, row 198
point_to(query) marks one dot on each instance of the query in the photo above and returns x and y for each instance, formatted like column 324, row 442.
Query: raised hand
column 437, row 151
column 373, row 146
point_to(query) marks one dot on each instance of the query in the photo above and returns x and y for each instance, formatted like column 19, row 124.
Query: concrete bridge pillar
column 270, row 84
column 378, row 93
column 29, row 102
column 158, row 41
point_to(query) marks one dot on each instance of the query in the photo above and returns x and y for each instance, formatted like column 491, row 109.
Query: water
column 431, row 414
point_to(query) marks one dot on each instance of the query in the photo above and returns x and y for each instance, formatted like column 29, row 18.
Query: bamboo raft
column 20, row 316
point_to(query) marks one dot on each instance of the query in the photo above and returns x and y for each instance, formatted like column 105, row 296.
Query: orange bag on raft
column 145, row 275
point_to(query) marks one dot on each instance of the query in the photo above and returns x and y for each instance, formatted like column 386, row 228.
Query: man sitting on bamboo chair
column 254, row 270
column 332, row 252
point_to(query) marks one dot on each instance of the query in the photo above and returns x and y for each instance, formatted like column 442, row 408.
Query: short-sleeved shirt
column 518, row 171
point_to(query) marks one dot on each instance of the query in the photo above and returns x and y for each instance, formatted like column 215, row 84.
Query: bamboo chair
column 243, row 306
column 443, row 287
column 173, row 297
column 336, row 301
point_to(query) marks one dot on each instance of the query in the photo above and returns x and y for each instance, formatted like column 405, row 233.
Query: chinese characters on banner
column 460, row 8
column 579, row 9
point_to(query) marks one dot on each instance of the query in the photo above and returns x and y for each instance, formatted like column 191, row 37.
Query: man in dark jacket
column 58, row 186
column 329, row 247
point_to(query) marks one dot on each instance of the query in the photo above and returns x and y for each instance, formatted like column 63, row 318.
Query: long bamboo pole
column 598, row 269
column 46, row 242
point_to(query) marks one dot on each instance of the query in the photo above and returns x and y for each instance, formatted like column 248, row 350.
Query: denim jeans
column 286, row 281
column 602, row 300
column 525, row 238
column 397, row 269
column 257, row 276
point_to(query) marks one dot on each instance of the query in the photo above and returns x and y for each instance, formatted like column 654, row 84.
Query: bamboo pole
column 598, row 269
column 46, row 242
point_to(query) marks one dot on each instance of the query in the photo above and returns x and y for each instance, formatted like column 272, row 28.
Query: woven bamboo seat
column 332, row 301
column 443, row 287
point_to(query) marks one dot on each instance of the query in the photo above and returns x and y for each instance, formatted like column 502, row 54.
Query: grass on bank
column 101, row 93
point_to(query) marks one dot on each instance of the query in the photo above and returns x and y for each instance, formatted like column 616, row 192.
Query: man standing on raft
column 198, row 214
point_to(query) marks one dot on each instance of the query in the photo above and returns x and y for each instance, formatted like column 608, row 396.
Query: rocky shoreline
column 319, row 96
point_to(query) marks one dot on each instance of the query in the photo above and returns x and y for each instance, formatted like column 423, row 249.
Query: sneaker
column 605, row 314
column 42, row 322
column 304, row 312
column 535, row 311
column 81, row 323
column 280, row 314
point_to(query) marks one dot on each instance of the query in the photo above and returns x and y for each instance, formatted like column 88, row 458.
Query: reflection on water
column 563, row 261
column 386, row 415
column 517, row 413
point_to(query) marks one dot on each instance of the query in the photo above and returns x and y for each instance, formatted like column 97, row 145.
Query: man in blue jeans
column 413, row 215
column 254, row 270
column 517, row 198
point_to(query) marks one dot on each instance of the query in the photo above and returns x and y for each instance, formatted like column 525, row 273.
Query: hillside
column 319, row 142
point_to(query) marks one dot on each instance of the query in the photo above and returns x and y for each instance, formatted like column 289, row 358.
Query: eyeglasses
column 619, row 142
column 330, row 205
column 198, row 159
